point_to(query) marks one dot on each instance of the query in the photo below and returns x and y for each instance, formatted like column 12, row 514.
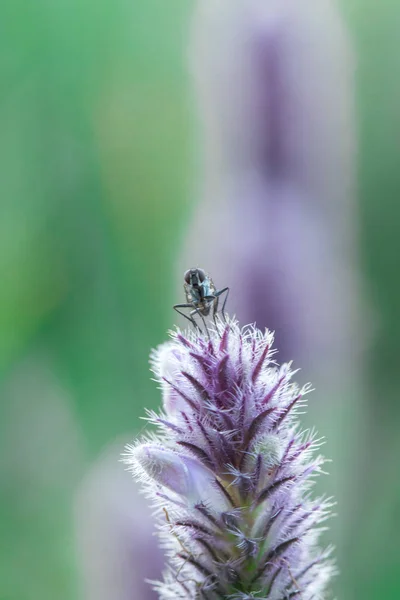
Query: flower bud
column 181, row 474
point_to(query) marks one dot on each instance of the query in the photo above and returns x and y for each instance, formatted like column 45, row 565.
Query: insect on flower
column 202, row 297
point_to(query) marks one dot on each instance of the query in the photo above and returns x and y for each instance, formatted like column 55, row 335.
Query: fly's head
column 194, row 284
column 195, row 277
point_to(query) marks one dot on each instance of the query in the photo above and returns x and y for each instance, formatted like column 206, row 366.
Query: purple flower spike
column 230, row 472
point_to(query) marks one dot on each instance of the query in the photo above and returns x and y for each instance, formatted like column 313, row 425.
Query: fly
column 202, row 297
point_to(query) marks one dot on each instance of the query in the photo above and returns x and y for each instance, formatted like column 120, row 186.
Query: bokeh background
column 98, row 164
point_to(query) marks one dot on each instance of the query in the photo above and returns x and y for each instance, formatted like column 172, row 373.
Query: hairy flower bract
column 230, row 472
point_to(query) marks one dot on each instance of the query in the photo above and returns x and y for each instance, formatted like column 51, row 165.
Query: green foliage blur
column 97, row 160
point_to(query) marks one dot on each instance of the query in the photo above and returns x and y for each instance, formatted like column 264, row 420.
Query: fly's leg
column 173, row 533
column 219, row 293
column 297, row 589
column 189, row 554
column 188, row 317
column 214, row 299
column 197, row 311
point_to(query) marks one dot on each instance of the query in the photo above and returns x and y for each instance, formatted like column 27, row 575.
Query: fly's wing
column 209, row 287
column 188, row 293
column 209, row 298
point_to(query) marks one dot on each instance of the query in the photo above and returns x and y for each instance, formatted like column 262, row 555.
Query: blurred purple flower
column 118, row 549
column 274, row 84
column 230, row 472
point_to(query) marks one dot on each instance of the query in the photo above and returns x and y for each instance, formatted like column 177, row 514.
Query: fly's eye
column 187, row 276
column 201, row 275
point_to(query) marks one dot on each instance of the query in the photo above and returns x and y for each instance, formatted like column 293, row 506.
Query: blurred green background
column 97, row 163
